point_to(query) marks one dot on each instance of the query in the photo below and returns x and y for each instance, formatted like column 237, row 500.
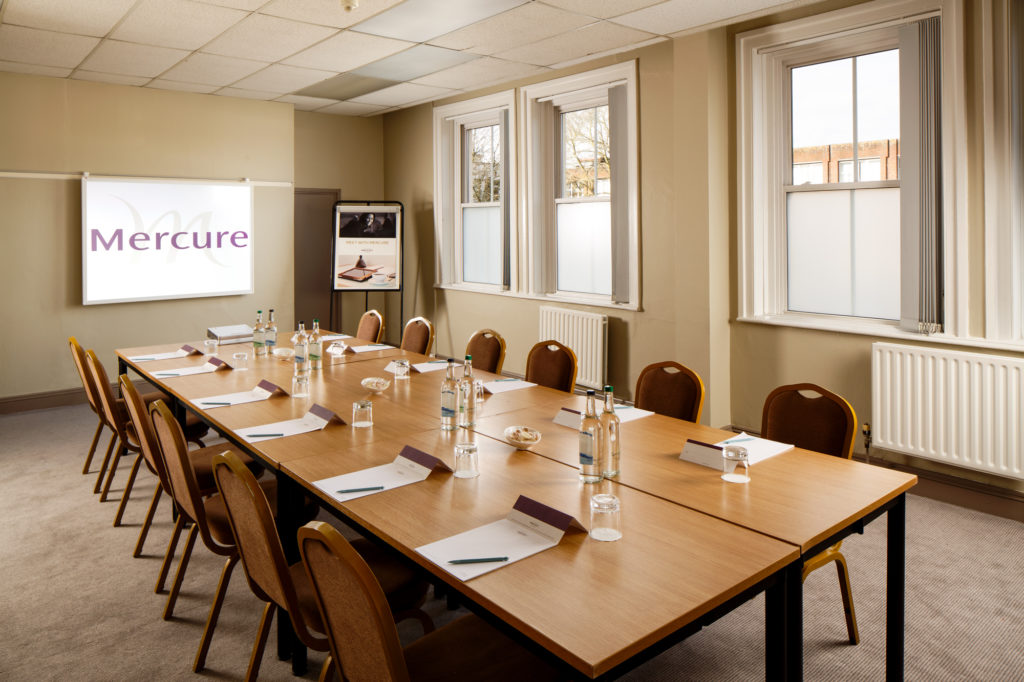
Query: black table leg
column 895, row 599
column 289, row 506
column 783, row 630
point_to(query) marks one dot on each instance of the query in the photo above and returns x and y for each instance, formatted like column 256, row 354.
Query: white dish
column 375, row 384
column 522, row 436
column 285, row 353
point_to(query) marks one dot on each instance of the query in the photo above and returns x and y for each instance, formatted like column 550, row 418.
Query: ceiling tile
column 346, row 51
column 480, row 73
column 598, row 37
column 281, row 79
column 326, row 12
column 93, row 18
column 46, row 48
column 176, row 23
column 15, row 67
column 267, row 39
column 115, row 78
column 679, row 15
column 212, row 69
column 247, row 94
column 181, row 86
column 403, row 93
column 524, row 24
column 603, row 9
column 351, row 109
column 413, row 63
column 129, row 59
column 247, row 5
column 345, row 86
column 422, row 20
column 307, row 103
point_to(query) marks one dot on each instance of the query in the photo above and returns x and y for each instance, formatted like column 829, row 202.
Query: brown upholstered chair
column 488, row 350
column 418, row 336
column 364, row 642
column 371, row 327
column 670, row 389
column 78, row 355
column 823, row 423
column 207, row 515
column 287, row 587
column 201, row 460
column 553, row 365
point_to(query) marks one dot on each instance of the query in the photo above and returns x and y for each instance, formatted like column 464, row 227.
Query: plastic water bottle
column 449, row 398
column 259, row 333
column 610, row 443
column 302, row 352
column 467, row 394
column 270, row 336
column 316, row 347
column 590, row 430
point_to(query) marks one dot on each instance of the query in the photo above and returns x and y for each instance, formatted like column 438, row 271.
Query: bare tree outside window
column 484, row 150
column 586, row 153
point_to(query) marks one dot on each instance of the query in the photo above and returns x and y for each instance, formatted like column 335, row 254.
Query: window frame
column 762, row 57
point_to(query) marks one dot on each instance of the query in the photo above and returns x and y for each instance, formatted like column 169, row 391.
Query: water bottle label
column 447, row 411
column 300, row 358
column 586, row 458
column 271, row 342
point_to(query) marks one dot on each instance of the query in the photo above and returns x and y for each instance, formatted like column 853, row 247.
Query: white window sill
column 551, row 298
column 883, row 328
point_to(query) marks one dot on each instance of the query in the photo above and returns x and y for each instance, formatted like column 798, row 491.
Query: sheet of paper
column 431, row 366
column 262, row 391
column 182, row 352
column 384, row 477
column 369, row 347
column 628, row 413
column 211, row 365
column 758, row 449
column 504, row 385
column 315, row 420
column 334, row 337
column 568, row 417
column 504, row 538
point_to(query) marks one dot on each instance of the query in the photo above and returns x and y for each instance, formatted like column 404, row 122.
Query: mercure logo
column 156, row 241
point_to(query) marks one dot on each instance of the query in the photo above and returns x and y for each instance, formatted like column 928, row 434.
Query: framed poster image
column 367, row 246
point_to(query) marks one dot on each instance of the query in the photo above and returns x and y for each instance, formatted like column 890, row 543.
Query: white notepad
column 262, row 391
column 182, row 352
column 410, row 466
column 316, row 419
column 758, row 449
column 504, row 385
column 211, row 365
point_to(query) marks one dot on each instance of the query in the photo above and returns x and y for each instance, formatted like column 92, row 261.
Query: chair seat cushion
column 471, row 649
column 404, row 587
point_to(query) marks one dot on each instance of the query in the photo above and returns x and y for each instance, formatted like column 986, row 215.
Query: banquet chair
column 670, row 389
column 488, row 350
column 418, row 336
column 201, row 461
column 363, row 639
column 207, row 516
column 825, row 423
column 371, row 327
column 78, row 355
column 551, row 364
column 286, row 587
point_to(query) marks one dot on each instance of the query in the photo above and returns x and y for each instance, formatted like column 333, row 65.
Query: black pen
column 264, row 435
column 360, row 490
column 213, row 403
column 167, row 374
column 482, row 560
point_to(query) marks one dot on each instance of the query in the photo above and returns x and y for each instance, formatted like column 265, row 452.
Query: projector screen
column 150, row 239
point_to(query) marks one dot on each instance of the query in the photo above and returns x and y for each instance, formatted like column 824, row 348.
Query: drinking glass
column 733, row 455
column 401, row 369
column 466, row 460
column 300, row 386
column 604, row 517
column 241, row 360
column 210, row 347
column 362, row 413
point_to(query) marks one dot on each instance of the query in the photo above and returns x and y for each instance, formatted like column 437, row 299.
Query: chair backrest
column 252, row 523
column 553, row 365
column 142, row 423
column 114, row 414
column 78, row 355
column 824, row 423
column 418, row 336
column 371, row 327
column 360, row 628
column 671, row 389
column 488, row 350
column 181, row 476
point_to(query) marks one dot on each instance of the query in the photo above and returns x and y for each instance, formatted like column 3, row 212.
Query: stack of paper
column 410, row 466
column 316, row 419
column 211, row 365
column 262, row 391
column 182, row 352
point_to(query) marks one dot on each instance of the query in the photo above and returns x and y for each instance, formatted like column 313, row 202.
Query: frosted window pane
column 481, row 245
column 585, row 247
column 818, row 225
column 876, row 253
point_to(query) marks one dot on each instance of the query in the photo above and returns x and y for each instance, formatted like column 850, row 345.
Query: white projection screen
column 151, row 239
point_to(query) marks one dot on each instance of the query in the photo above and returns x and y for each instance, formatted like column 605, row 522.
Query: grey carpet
column 74, row 604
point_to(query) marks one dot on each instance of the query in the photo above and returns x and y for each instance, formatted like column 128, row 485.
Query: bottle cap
column 469, row 357
column 608, row 389
column 590, row 391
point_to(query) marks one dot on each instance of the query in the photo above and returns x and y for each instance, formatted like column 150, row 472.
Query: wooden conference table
column 693, row 547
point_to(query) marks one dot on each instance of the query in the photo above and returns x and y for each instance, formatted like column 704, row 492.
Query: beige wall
column 67, row 126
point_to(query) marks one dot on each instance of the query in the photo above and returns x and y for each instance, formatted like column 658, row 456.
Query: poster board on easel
column 367, row 247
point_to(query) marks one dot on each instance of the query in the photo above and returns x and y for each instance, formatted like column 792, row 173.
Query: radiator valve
column 866, row 430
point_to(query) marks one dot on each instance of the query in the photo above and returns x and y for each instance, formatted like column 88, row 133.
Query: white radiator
column 965, row 409
column 586, row 334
